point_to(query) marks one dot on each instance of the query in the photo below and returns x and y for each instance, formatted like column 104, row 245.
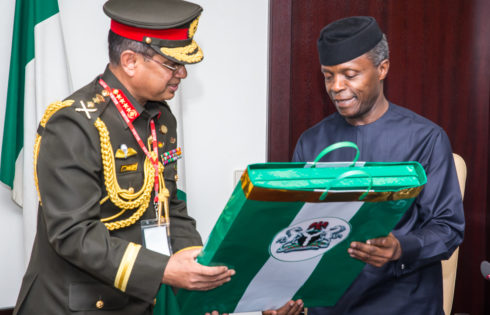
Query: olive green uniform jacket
column 79, row 266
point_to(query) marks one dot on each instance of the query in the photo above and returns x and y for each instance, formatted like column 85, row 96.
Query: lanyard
column 154, row 161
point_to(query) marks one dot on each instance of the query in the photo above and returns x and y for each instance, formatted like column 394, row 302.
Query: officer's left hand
column 290, row 308
column 377, row 251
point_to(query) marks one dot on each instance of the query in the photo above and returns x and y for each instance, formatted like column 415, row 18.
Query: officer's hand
column 215, row 313
column 290, row 308
column 183, row 271
column 377, row 251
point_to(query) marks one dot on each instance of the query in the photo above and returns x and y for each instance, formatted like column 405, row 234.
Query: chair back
column 450, row 266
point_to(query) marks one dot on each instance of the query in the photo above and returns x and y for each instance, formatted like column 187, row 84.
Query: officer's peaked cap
column 168, row 26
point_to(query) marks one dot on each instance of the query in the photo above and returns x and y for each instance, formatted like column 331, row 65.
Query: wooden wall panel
column 440, row 68
column 280, row 78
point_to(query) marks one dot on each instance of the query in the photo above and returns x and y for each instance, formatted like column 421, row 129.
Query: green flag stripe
column 166, row 302
column 253, row 230
column 181, row 195
column 28, row 13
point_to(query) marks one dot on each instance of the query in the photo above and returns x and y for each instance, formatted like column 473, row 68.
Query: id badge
column 155, row 236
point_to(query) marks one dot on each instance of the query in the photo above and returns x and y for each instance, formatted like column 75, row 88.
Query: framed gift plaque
column 287, row 227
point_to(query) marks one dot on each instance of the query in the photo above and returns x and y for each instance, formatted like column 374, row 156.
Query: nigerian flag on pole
column 287, row 227
column 38, row 75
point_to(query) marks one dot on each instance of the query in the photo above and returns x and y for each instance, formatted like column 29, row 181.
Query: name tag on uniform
column 155, row 236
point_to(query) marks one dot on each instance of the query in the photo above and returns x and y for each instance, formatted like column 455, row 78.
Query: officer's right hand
column 183, row 271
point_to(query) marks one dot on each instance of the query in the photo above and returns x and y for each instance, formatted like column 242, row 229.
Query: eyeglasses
column 174, row 69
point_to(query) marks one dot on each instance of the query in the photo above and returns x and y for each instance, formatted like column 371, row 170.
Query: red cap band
column 138, row 34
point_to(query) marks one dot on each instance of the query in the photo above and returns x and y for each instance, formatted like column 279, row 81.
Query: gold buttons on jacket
column 163, row 129
column 99, row 304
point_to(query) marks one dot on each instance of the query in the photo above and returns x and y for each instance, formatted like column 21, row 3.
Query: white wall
column 223, row 106
column 11, row 248
column 224, row 101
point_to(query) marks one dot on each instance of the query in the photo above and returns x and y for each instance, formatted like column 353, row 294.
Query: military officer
column 105, row 183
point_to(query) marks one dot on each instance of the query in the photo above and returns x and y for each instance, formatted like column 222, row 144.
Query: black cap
column 168, row 26
column 347, row 39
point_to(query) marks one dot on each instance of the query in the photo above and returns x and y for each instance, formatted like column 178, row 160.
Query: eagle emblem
column 309, row 238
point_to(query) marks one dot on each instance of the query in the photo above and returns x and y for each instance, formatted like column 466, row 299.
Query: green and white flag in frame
column 287, row 227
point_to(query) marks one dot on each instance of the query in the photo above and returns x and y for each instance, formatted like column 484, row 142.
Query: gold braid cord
column 52, row 108
column 193, row 27
column 122, row 198
column 190, row 53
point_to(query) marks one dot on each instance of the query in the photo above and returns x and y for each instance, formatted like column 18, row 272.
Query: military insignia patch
column 126, row 105
column 98, row 98
column 129, row 168
column 86, row 110
column 309, row 239
column 124, row 152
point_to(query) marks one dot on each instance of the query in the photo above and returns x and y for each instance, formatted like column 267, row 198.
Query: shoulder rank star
column 86, row 110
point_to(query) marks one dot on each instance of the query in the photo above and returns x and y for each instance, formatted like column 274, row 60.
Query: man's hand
column 377, row 251
column 290, row 308
column 183, row 271
column 215, row 313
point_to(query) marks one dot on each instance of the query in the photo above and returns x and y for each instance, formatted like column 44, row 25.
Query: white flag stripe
column 46, row 80
column 312, row 210
column 260, row 295
column 29, row 194
column 17, row 189
column 262, row 292
column 51, row 64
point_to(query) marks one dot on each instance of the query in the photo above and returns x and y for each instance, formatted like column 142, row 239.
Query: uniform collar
column 114, row 83
column 153, row 109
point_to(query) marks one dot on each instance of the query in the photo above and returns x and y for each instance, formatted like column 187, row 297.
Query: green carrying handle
column 347, row 175
column 335, row 146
